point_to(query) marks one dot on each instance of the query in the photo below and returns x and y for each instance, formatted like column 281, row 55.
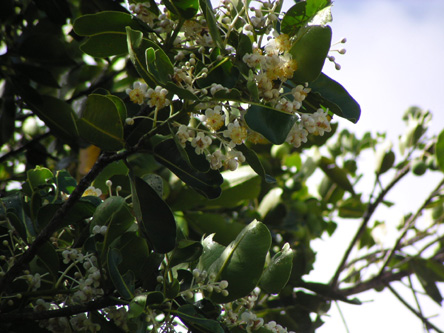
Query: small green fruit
column 419, row 167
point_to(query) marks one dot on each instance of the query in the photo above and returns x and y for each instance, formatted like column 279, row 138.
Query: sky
column 393, row 61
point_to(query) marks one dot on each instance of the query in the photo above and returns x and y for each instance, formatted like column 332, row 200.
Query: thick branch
column 384, row 279
column 62, row 312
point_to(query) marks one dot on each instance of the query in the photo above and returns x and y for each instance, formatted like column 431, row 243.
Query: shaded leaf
column 439, row 150
column 343, row 104
column 206, row 183
column 186, row 251
column 156, row 221
column 273, row 124
column 123, row 284
column 336, row 174
column 195, row 321
column 101, row 123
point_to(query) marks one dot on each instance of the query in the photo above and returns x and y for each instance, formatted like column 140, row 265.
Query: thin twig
column 367, row 216
column 342, row 317
column 25, row 146
column 409, row 223
column 426, row 322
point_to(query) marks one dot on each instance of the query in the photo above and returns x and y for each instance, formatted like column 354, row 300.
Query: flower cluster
column 239, row 313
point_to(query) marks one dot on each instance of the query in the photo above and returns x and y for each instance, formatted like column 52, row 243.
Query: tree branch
column 367, row 216
column 62, row 312
column 24, row 147
column 426, row 322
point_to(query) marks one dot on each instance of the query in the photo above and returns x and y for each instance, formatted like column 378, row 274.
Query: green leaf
column 186, row 251
column 273, row 124
column 242, row 275
column 106, row 31
column 224, row 231
column 136, row 48
column 195, row 321
column 277, row 273
column 156, row 221
column 342, row 103
column 180, row 92
column 134, row 250
column 159, row 65
column 206, row 183
column 211, row 252
column 352, row 208
column 124, row 284
column 187, row 8
column 385, row 159
column 101, row 123
column 137, row 306
column 310, row 50
column 38, row 177
column 427, row 279
column 254, row 162
column 57, row 115
column 49, row 259
column 208, row 12
column 336, row 174
column 302, row 13
column 65, row 182
column 439, row 150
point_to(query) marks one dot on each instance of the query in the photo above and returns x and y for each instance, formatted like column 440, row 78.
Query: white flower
column 316, row 123
column 297, row 135
column 201, row 142
column 92, row 191
column 213, row 118
column 183, row 133
column 299, row 92
column 157, row 97
column 216, row 160
column 236, row 133
column 139, row 92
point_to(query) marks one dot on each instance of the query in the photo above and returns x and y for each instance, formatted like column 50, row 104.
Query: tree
column 155, row 166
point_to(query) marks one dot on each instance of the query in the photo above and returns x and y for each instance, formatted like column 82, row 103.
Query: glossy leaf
column 101, row 123
column 106, row 31
column 224, row 231
column 277, row 273
column 211, row 252
column 123, row 284
column 136, row 48
column 310, row 51
column 156, row 221
column 273, row 124
column 159, row 65
column 185, row 251
column 336, row 174
column 38, row 177
column 195, row 321
column 208, row 12
column 300, row 14
column 254, row 162
column 206, row 183
column 134, row 251
column 253, row 242
column 439, row 151
column 335, row 93
column 187, row 8
column 57, row 115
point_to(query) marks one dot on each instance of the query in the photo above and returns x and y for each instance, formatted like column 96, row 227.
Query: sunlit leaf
column 278, row 271
column 242, row 275
column 310, row 51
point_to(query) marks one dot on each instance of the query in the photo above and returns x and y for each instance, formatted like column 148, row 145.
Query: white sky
column 393, row 61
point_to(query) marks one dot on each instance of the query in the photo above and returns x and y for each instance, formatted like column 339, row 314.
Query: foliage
column 156, row 162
